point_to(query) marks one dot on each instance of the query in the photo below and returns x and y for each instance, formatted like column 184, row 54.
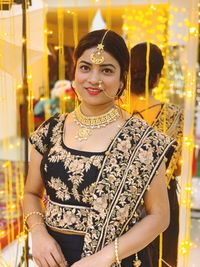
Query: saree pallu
column 130, row 164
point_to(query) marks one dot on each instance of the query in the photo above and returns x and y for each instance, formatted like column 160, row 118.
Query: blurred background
column 36, row 85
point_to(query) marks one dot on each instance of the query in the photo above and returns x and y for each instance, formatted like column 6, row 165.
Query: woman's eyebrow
column 85, row 62
column 108, row 65
column 102, row 65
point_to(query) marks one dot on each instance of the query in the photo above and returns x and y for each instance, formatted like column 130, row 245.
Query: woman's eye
column 84, row 67
column 107, row 71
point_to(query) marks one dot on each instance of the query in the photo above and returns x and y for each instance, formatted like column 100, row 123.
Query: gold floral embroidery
column 122, row 213
column 87, row 193
column 38, row 137
column 76, row 166
column 146, row 156
column 122, row 182
column 60, row 188
column 100, row 204
column 66, row 217
column 124, row 146
column 126, row 173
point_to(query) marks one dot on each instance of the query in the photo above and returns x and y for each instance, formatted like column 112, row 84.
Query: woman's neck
column 95, row 110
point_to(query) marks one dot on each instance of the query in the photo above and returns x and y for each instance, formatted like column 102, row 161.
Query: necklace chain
column 87, row 124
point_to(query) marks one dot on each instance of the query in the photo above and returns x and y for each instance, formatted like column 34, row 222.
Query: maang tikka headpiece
column 97, row 56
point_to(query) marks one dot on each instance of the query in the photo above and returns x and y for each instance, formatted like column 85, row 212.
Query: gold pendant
column 83, row 133
column 137, row 262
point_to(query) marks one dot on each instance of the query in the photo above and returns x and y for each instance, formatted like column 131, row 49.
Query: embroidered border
column 122, row 188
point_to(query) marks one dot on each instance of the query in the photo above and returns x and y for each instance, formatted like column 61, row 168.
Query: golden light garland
column 31, row 125
column 146, row 23
column 75, row 31
column 75, row 24
column 61, row 52
column 138, row 25
column 46, row 63
column 108, row 14
column 12, row 147
column 9, row 146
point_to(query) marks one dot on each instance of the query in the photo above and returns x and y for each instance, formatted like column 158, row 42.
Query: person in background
column 62, row 89
column 99, row 168
column 167, row 118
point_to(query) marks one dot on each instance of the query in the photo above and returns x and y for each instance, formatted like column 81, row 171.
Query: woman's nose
column 94, row 77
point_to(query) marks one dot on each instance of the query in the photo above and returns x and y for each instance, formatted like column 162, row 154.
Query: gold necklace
column 87, row 124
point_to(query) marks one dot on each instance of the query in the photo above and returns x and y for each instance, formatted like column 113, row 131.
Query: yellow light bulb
column 11, row 146
column 193, row 30
column 2, row 233
column 188, row 189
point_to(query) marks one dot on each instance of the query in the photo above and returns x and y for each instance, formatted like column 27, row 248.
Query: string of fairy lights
column 11, row 188
column 151, row 22
column 174, row 82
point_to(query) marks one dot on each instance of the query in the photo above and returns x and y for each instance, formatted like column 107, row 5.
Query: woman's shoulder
column 41, row 138
column 139, row 121
column 58, row 117
column 47, row 127
column 144, row 126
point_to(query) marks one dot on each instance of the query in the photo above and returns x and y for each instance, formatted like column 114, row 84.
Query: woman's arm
column 48, row 253
column 34, row 188
column 144, row 232
column 156, row 221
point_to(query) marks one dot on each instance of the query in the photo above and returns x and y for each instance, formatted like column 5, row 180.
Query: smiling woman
column 102, row 80
column 100, row 168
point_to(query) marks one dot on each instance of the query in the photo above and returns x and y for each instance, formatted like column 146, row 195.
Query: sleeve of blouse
column 40, row 139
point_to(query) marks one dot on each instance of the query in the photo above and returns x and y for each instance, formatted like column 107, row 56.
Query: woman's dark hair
column 113, row 43
column 138, row 67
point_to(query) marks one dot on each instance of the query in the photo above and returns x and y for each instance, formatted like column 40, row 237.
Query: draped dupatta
column 129, row 166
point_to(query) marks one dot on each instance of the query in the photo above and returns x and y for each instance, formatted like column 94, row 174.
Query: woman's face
column 97, row 84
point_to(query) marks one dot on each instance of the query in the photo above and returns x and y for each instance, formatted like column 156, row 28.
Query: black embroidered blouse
column 69, row 175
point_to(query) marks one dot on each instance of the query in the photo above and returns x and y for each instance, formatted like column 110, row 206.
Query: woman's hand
column 99, row 259
column 46, row 251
